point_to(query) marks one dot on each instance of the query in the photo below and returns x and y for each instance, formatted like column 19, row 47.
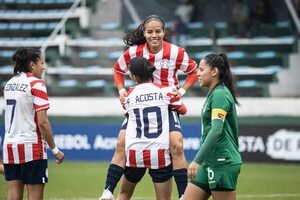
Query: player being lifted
column 151, row 110
column 149, row 41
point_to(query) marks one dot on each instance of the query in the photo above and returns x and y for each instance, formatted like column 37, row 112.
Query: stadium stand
column 30, row 22
column 80, row 61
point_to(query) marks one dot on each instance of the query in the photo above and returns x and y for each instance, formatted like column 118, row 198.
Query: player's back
column 18, row 109
column 24, row 94
column 147, row 133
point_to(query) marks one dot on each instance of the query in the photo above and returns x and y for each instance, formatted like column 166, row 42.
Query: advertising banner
column 96, row 142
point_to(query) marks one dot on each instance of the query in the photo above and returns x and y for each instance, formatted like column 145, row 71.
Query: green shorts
column 217, row 178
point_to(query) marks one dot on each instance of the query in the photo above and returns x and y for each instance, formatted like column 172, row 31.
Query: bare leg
column 163, row 190
column 224, row 195
column 119, row 155
column 15, row 190
column 1, row 168
column 35, row 191
column 176, row 147
column 194, row 192
column 126, row 190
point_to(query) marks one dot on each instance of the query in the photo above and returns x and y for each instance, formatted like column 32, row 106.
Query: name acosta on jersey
column 155, row 96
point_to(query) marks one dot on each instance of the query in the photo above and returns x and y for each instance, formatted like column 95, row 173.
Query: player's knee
column 15, row 196
column 177, row 149
column 176, row 144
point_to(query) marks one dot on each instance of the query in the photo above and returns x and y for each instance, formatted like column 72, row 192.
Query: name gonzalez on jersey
column 16, row 87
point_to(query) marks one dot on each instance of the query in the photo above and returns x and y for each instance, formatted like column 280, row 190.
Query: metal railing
column 294, row 14
column 61, row 25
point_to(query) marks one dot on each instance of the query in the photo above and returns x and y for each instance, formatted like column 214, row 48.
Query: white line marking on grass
column 245, row 196
column 269, row 196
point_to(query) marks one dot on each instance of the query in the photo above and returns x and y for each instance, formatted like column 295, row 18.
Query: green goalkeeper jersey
column 219, row 141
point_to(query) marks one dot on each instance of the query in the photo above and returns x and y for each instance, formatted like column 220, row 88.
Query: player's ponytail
column 23, row 57
column 220, row 61
column 141, row 68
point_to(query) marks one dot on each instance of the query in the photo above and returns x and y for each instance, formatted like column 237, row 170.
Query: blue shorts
column 33, row 172
column 135, row 175
column 174, row 122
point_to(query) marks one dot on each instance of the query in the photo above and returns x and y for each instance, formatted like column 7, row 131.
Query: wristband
column 121, row 91
column 181, row 91
column 55, row 150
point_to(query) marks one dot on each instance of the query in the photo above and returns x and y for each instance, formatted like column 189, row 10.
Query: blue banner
column 257, row 143
column 96, row 142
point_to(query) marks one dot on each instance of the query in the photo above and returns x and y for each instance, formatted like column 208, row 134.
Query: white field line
column 269, row 196
column 240, row 197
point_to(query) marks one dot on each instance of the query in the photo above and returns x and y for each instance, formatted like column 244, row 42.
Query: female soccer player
column 148, row 41
column 149, row 124
column 27, row 128
column 215, row 169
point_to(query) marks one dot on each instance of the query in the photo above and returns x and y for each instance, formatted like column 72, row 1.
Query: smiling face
column 38, row 67
column 154, row 34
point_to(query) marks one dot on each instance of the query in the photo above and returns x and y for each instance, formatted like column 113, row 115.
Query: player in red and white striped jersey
column 149, row 124
column 168, row 61
column 149, row 41
column 27, row 128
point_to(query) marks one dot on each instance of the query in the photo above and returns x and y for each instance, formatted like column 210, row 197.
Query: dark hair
column 220, row 61
column 136, row 36
column 140, row 67
column 22, row 58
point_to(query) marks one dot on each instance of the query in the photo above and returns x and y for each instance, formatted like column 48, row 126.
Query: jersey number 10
column 145, row 112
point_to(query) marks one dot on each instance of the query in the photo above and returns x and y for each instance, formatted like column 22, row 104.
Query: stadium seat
column 88, row 54
column 114, row 55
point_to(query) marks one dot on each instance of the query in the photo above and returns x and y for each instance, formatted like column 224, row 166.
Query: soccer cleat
column 107, row 195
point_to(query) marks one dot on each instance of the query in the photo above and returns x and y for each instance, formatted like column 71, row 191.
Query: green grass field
column 85, row 181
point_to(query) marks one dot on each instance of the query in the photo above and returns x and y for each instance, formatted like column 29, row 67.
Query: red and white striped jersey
column 24, row 95
column 147, row 133
column 167, row 61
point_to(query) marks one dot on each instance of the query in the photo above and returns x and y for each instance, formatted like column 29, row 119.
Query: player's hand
column 123, row 94
column 176, row 93
column 193, row 169
column 179, row 93
column 59, row 157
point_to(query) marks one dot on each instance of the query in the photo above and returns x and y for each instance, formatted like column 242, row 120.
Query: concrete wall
column 96, row 106
column 288, row 84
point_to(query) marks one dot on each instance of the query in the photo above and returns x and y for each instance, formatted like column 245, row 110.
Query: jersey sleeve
column 40, row 96
column 210, row 141
column 187, row 65
column 121, row 66
column 220, row 106
column 220, row 100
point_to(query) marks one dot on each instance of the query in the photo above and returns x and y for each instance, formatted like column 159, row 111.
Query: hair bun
column 20, row 54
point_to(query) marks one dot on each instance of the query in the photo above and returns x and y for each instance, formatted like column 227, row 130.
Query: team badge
column 165, row 64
